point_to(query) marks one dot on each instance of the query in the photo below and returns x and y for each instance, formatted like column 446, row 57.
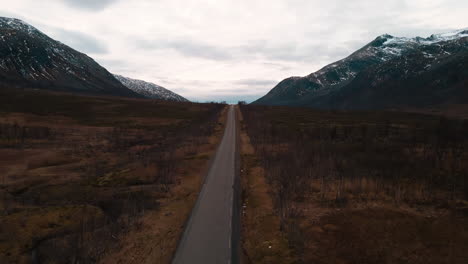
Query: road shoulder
column 261, row 238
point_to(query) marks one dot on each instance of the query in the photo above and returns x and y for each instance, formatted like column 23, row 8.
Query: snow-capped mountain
column 401, row 56
column 149, row 90
column 31, row 59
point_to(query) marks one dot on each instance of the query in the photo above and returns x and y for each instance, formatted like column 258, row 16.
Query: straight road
column 207, row 238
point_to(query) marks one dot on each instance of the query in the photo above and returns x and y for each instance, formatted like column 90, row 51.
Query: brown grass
column 262, row 239
column 384, row 234
column 363, row 187
column 156, row 238
column 82, row 178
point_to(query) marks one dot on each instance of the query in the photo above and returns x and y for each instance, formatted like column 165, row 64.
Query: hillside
column 382, row 73
column 31, row 59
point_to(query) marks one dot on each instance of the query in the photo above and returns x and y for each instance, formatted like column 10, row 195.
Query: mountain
column 31, row 59
column 388, row 72
column 150, row 90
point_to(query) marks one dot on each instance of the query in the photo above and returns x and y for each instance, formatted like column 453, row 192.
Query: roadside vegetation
column 262, row 239
column 99, row 179
column 363, row 187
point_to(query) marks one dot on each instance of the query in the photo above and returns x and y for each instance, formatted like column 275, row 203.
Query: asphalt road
column 208, row 235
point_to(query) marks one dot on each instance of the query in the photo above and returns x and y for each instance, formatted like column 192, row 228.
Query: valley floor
column 99, row 179
column 353, row 187
column 113, row 180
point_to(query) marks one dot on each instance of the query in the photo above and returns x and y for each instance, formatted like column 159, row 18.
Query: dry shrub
column 48, row 159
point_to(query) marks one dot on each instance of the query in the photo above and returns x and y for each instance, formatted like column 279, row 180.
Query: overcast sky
column 229, row 49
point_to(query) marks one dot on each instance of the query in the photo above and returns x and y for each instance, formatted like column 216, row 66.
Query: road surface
column 208, row 235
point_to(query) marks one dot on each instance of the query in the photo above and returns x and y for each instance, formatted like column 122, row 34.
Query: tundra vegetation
column 361, row 187
column 84, row 178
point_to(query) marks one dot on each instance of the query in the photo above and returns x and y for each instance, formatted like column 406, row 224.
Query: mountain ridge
column 305, row 91
column 31, row 59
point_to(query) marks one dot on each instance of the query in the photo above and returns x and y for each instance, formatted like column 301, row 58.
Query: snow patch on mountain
column 149, row 90
column 435, row 38
column 383, row 48
column 17, row 24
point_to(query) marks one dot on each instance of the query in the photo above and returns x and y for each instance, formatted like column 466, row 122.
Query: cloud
column 255, row 82
column 295, row 51
column 188, row 48
column 78, row 40
column 275, row 52
column 10, row 15
column 201, row 50
column 92, row 5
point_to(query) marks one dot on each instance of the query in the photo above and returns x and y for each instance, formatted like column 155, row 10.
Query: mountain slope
column 420, row 79
column 385, row 60
column 149, row 90
column 31, row 59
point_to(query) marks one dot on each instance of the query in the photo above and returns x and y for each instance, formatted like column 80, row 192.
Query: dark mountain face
column 30, row 59
column 387, row 72
column 412, row 81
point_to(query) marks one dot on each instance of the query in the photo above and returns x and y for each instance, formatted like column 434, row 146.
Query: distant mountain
column 388, row 72
column 150, row 90
column 31, row 59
